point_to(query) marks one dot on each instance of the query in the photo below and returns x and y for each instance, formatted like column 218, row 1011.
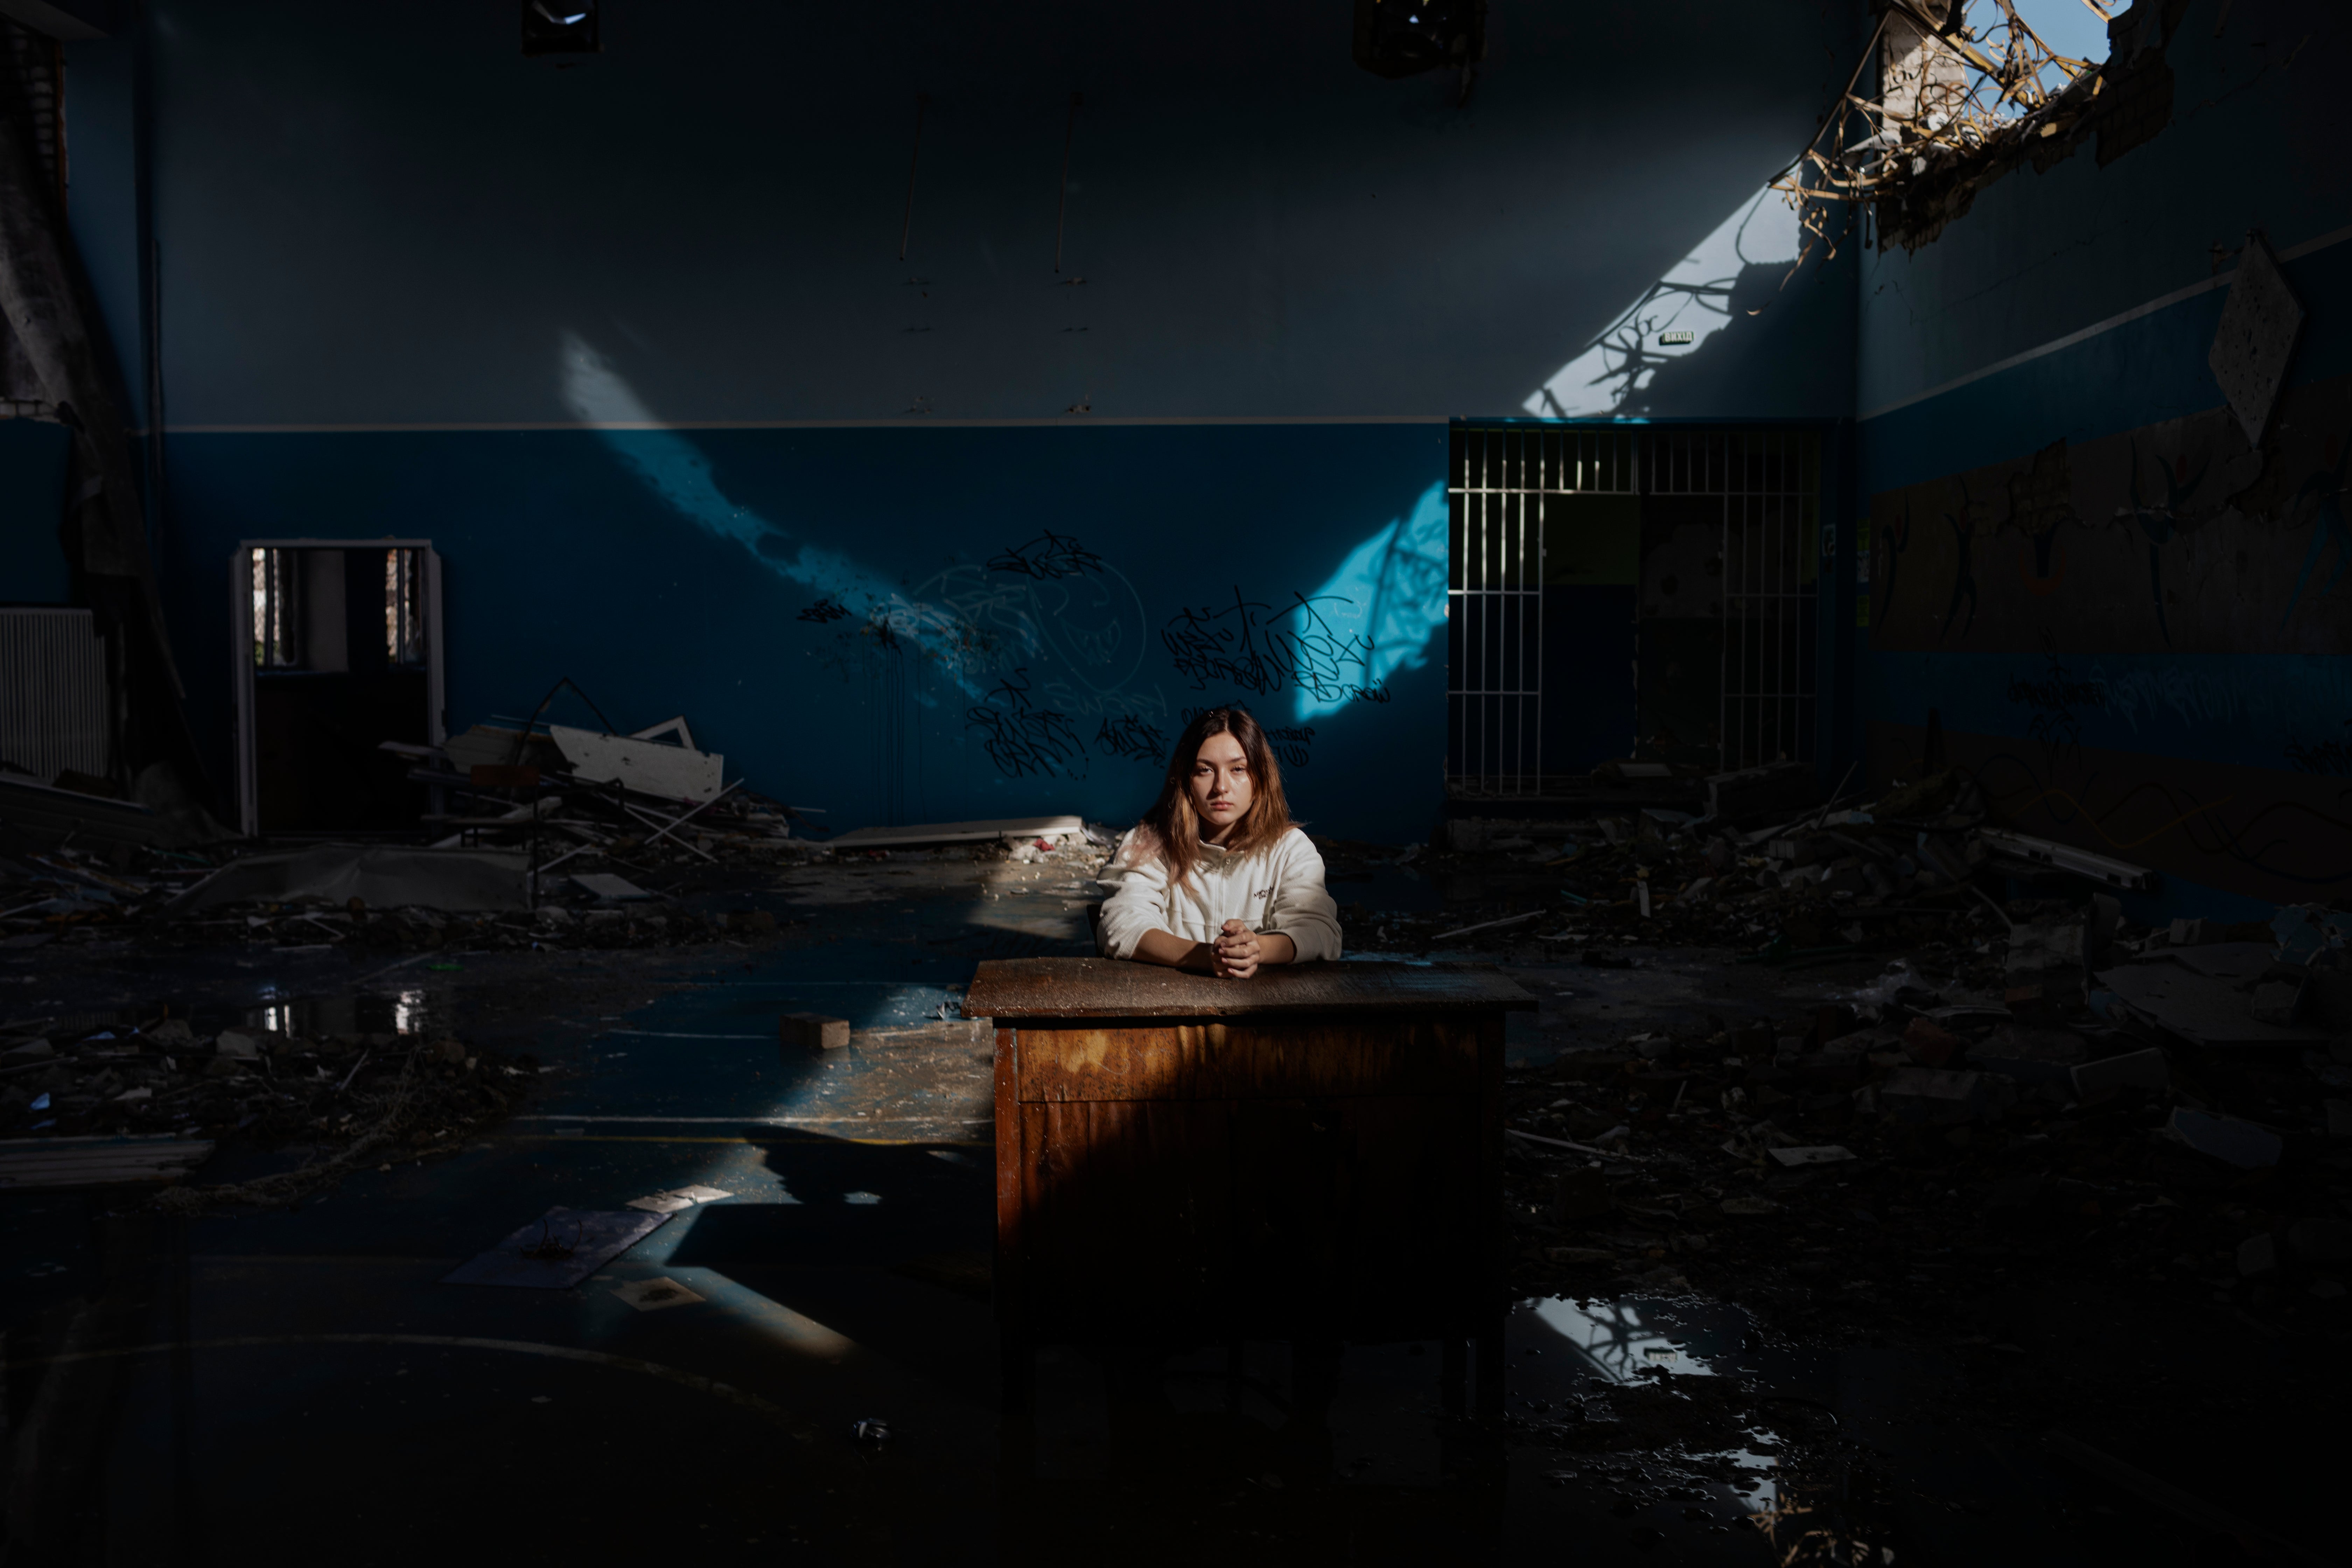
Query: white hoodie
column 1277, row 890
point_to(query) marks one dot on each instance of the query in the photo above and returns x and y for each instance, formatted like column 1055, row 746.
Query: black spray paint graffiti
column 1261, row 648
column 898, row 626
column 1052, row 601
column 1023, row 739
column 1130, row 735
column 1292, row 744
column 1047, row 555
column 2328, row 758
column 2160, row 520
column 2052, row 701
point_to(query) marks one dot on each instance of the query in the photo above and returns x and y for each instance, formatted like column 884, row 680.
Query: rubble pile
column 563, row 844
column 1862, row 1162
column 1893, row 874
column 335, row 1102
column 505, row 788
column 49, row 890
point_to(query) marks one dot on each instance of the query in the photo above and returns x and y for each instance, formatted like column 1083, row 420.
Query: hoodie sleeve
column 1140, row 905
column 1300, row 908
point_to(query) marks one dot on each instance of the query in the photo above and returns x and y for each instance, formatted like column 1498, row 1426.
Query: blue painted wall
column 370, row 224
column 630, row 338
column 32, row 494
column 2177, row 710
column 909, row 624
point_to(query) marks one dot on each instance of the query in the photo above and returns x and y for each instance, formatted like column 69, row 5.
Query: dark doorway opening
column 338, row 651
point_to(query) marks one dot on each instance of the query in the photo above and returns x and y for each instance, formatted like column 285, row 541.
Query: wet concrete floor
column 297, row 1384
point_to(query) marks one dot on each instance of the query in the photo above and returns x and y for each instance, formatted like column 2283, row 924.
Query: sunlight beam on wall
column 1390, row 592
column 1694, row 297
column 674, row 469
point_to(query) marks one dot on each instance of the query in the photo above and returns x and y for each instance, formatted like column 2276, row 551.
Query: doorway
column 1621, row 593
column 337, row 649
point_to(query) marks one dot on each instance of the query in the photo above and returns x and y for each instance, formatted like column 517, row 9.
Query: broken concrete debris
column 677, row 1199
column 162, row 1093
column 2226, row 1138
column 608, row 887
column 508, row 876
column 1016, row 831
column 539, row 857
column 815, row 1032
column 557, row 1250
column 644, row 761
column 1935, row 1095
column 1813, row 1154
column 652, row 1295
column 2004, row 1166
column 2028, row 1075
column 378, row 876
column 2100, row 1081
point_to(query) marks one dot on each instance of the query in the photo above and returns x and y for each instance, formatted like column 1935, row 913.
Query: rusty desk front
column 1314, row 1153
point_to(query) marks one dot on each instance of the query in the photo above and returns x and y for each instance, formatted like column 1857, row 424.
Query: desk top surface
column 1012, row 991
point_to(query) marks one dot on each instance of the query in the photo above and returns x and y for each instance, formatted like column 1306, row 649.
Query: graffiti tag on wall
column 1023, row 739
column 1130, row 736
column 1263, row 648
column 2176, row 537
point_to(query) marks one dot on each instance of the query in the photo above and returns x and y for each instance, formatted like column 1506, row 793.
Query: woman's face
column 1222, row 790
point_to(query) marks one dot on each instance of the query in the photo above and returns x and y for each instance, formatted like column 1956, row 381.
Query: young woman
column 1215, row 879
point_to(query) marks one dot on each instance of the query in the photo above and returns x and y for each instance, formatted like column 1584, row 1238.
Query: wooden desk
column 1315, row 1153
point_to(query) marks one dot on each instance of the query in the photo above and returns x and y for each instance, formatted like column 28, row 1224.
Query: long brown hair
column 1171, row 828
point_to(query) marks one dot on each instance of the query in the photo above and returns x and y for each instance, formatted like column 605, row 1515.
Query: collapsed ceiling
column 1959, row 106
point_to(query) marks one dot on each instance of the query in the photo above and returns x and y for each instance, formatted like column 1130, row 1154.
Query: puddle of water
column 1625, row 1340
column 411, row 1011
column 1622, row 1343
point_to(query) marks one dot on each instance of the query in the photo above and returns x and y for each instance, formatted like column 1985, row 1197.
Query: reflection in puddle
column 1638, row 1343
column 351, row 1017
column 1620, row 1338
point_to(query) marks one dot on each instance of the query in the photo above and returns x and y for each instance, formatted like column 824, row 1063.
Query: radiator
column 53, row 701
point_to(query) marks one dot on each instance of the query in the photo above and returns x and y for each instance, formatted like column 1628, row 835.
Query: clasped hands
column 1236, row 952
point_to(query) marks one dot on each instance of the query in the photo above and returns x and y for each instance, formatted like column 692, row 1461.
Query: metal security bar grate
column 1501, row 484
column 1770, row 482
column 1507, row 484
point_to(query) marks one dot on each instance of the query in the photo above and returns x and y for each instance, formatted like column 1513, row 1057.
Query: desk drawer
column 1431, row 1056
